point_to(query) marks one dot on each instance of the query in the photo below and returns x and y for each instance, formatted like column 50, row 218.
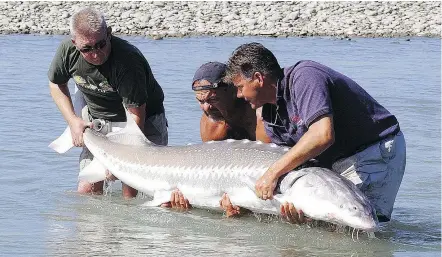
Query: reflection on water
column 42, row 216
column 104, row 225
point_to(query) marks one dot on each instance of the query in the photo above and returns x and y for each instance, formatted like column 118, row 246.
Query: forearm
column 316, row 140
column 60, row 94
column 139, row 115
column 303, row 151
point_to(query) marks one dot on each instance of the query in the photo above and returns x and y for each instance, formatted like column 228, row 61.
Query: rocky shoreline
column 274, row 19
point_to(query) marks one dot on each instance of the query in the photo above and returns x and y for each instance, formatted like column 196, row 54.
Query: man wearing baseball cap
column 224, row 117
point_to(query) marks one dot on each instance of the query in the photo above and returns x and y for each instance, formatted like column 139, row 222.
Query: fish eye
column 354, row 208
column 341, row 206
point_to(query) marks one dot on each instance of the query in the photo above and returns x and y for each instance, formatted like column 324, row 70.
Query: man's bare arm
column 62, row 98
column 139, row 115
column 261, row 134
column 213, row 130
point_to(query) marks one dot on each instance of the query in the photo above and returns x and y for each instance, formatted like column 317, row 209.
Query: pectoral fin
column 93, row 173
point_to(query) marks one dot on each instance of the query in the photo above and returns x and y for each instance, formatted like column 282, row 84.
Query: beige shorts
column 155, row 131
column 378, row 172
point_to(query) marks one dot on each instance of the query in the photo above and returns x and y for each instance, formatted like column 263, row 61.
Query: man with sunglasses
column 224, row 117
column 111, row 74
column 322, row 115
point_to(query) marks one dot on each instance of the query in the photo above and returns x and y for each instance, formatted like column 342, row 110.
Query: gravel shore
column 274, row 19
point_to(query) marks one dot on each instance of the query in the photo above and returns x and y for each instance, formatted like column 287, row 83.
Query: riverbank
column 275, row 19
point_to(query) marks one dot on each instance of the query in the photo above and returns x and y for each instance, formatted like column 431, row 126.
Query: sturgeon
column 203, row 172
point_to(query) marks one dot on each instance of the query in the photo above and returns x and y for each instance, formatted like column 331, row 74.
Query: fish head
column 321, row 194
column 354, row 212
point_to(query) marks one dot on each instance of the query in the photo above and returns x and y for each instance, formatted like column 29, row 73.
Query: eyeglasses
column 99, row 45
column 207, row 87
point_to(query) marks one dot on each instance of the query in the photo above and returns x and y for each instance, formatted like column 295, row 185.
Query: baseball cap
column 212, row 72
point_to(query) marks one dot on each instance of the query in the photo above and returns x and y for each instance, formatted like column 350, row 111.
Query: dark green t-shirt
column 125, row 77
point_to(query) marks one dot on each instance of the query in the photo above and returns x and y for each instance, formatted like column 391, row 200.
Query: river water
column 42, row 215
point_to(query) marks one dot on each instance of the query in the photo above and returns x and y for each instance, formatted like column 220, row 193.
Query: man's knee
column 85, row 187
column 128, row 192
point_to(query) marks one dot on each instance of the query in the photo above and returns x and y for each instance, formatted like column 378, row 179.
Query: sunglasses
column 99, row 45
column 207, row 87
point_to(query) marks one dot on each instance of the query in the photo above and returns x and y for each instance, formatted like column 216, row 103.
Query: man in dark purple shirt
column 322, row 115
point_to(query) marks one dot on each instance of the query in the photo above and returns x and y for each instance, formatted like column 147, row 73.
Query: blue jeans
column 378, row 172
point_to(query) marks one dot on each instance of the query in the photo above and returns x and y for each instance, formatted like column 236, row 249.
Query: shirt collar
column 280, row 86
column 269, row 109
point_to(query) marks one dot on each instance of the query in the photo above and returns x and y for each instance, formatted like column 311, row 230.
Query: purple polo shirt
column 310, row 90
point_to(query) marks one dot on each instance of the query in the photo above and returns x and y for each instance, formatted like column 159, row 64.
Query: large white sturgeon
column 203, row 172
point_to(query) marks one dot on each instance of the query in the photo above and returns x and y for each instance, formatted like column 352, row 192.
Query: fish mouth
column 369, row 226
column 371, row 229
